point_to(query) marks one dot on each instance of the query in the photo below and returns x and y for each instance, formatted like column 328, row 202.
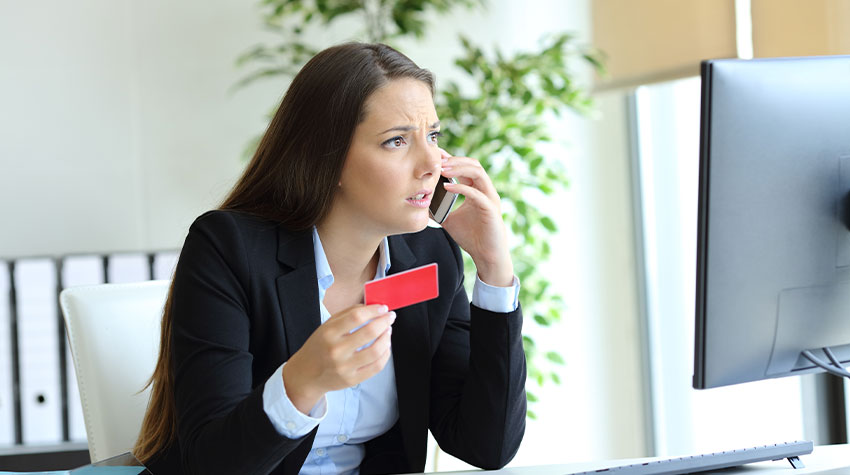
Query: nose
column 429, row 161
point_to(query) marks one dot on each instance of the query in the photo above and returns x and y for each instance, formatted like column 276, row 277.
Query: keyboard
column 713, row 461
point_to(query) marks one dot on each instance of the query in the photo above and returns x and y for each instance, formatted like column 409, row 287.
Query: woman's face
column 393, row 164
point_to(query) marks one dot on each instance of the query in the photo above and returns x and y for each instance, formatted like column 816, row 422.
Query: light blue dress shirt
column 352, row 416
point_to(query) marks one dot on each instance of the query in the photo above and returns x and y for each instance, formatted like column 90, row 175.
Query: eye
column 394, row 142
column 433, row 136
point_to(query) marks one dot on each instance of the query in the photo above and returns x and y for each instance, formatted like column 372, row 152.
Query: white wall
column 116, row 130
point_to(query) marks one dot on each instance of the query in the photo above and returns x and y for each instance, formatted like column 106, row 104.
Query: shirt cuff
column 284, row 416
column 495, row 299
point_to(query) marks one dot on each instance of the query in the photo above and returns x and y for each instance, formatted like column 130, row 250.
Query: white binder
column 164, row 265
column 38, row 336
column 128, row 268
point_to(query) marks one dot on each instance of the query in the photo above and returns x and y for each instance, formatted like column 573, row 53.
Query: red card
column 405, row 288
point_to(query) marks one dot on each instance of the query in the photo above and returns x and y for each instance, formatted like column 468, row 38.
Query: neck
column 351, row 252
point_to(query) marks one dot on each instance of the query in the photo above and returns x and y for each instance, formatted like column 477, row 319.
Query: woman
column 270, row 363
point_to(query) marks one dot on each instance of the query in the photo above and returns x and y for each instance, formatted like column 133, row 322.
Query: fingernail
column 383, row 309
column 392, row 317
column 445, row 168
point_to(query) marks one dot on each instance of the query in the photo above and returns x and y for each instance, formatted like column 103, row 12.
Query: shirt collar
column 323, row 269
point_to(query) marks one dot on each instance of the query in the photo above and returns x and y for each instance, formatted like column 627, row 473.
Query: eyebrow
column 408, row 128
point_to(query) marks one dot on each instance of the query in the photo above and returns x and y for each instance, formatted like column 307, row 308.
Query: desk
column 826, row 459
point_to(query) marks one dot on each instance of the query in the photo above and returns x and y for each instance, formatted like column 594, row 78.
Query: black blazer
column 245, row 299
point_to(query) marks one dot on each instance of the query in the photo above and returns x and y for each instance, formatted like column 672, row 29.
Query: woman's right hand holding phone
column 335, row 356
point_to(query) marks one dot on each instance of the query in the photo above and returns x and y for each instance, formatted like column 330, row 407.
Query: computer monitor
column 773, row 251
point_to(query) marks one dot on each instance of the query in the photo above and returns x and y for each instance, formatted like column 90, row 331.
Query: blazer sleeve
column 222, row 427
column 478, row 373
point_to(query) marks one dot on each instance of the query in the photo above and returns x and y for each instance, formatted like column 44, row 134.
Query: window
column 688, row 421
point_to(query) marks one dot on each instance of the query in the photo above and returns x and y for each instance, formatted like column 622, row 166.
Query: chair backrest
column 113, row 330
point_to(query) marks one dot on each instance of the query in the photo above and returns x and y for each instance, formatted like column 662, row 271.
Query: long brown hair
column 292, row 178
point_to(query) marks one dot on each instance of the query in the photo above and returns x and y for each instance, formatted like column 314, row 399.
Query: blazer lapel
column 298, row 296
column 297, row 288
column 411, row 349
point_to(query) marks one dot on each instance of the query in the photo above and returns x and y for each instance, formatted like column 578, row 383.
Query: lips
column 420, row 195
column 421, row 199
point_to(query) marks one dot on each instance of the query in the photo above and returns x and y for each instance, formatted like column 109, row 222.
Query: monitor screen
column 773, row 251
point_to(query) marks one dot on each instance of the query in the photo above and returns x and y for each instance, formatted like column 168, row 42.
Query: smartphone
column 442, row 201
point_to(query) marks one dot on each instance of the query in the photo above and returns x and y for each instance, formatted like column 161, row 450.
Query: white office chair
column 114, row 331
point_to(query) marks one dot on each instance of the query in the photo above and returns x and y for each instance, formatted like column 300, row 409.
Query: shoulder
column 220, row 219
column 231, row 236
column 229, row 228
